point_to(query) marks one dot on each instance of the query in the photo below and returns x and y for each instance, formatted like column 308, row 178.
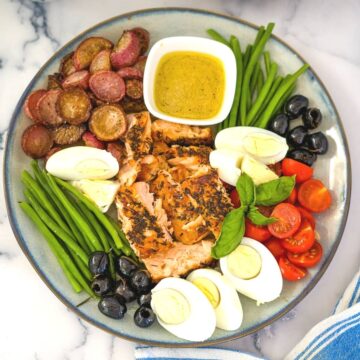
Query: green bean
column 260, row 81
column 93, row 208
column 267, row 61
column 225, row 123
column 255, row 54
column 283, row 88
column 247, row 55
column 80, row 222
column 57, row 249
column 126, row 249
column 84, row 268
column 284, row 98
column 30, row 183
column 235, row 46
column 94, row 222
column 73, row 282
column 253, row 79
column 262, row 95
column 259, row 35
column 269, row 96
column 56, row 229
column 216, row 36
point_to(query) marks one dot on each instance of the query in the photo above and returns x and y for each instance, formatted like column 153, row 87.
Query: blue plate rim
column 57, row 292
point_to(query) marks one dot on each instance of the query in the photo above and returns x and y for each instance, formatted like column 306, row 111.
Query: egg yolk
column 209, row 289
column 244, row 262
column 170, row 306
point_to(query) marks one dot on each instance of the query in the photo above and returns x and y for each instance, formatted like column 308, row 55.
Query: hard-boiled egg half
column 82, row 162
column 247, row 149
column 222, row 296
column 102, row 192
column 253, row 271
column 182, row 309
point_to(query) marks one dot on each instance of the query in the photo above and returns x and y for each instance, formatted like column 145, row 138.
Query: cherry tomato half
column 309, row 258
column 256, row 232
column 235, row 200
column 290, row 271
column 305, row 214
column 292, row 167
column 275, row 247
column 302, row 240
column 289, row 220
column 293, row 197
column 314, row 196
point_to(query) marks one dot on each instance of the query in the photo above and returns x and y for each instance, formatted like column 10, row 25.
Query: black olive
column 98, row 263
column 112, row 306
column 302, row 155
column 101, row 285
column 312, row 118
column 296, row 105
column 124, row 291
column 126, row 266
column 296, row 136
column 144, row 299
column 279, row 124
column 317, row 143
column 140, row 281
column 144, row 317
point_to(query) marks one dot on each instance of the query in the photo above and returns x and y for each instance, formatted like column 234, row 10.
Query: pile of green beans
column 260, row 92
column 72, row 225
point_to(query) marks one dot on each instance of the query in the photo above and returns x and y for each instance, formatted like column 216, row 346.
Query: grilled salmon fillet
column 209, row 193
column 150, row 166
column 172, row 133
column 138, row 140
column 179, row 260
column 186, row 219
column 143, row 220
column 129, row 171
column 188, row 156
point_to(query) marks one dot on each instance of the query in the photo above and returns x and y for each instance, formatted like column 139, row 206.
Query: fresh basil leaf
column 246, row 189
column 232, row 232
column 258, row 218
column 275, row 191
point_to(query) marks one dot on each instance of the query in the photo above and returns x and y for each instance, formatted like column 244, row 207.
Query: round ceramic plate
column 333, row 169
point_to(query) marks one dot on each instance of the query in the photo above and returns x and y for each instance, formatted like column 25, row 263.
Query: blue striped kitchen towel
column 335, row 338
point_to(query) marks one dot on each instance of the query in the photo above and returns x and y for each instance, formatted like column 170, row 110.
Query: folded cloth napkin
column 335, row 338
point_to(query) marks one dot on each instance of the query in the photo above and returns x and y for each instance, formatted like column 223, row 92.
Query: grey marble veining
column 34, row 324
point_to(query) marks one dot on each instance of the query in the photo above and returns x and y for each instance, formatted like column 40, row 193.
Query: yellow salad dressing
column 189, row 85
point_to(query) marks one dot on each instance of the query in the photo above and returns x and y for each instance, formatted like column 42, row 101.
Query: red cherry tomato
column 305, row 214
column 314, row 196
column 293, row 197
column 292, row 167
column 289, row 220
column 290, row 271
column 309, row 258
column 275, row 247
column 234, row 196
column 302, row 240
column 256, row 232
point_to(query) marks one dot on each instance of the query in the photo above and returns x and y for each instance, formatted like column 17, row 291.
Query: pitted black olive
column 296, row 106
column 144, row 299
column 124, row 291
column 112, row 306
column 140, row 281
column 296, row 136
column 302, row 155
column 144, row 317
column 101, row 285
column 312, row 118
column 98, row 263
column 125, row 266
column 279, row 124
column 317, row 143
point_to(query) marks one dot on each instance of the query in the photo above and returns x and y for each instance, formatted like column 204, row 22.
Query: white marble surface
column 33, row 323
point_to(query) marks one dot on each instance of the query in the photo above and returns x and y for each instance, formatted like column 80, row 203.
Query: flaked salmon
column 172, row 133
column 186, row 218
column 150, row 165
column 179, row 260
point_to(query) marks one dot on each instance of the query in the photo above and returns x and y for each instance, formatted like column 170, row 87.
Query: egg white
column 267, row 285
column 201, row 322
column 229, row 313
column 82, row 162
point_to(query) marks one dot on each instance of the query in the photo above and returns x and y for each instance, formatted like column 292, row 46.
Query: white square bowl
column 196, row 44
